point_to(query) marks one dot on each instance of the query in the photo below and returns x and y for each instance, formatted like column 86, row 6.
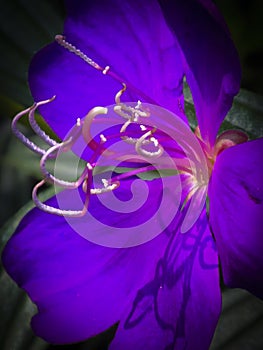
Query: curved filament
column 28, row 143
column 58, row 148
column 140, row 143
column 61, row 40
column 61, row 212
column 31, row 117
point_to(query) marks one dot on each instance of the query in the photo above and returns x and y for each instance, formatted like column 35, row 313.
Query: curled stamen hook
column 121, row 109
column 141, row 142
column 132, row 140
column 28, row 143
column 128, row 139
column 119, row 94
column 86, row 130
column 58, row 148
column 108, row 185
column 31, row 117
column 57, row 211
column 128, row 112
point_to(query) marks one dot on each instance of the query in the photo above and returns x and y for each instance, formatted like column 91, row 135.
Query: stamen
column 128, row 112
column 105, row 189
column 78, row 122
column 127, row 139
column 62, row 147
column 31, row 117
column 106, row 69
column 141, row 142
column 28, row 143
column 56, row 211
column 36, row 127
column 132, row 140
column 87, row 125
column 132, row 116
column 103, row 139
column 119, row 94
column 61, row 40
column 139, row 105
column 108, row 185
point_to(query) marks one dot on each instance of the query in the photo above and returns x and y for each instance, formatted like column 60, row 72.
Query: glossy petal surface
column 80, row 288
column 236, row 214
column 211, row 61
column 179, row 307
column 131, row 37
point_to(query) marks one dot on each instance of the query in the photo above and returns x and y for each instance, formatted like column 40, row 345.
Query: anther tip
column 59, row 37
column 106, row 69
column 89, row 166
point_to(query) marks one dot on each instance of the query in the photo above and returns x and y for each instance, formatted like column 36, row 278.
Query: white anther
column 139, row 104
column 106, row 69
column 103, row 139
column 89, row 166
column 143, row 140
column 155, row 141
column 105, row 182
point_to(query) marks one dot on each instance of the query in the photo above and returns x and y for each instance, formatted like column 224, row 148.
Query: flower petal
column 211, row 61
column 236, row 214
column 81, row 288
column 179, row 307
column 131, row 37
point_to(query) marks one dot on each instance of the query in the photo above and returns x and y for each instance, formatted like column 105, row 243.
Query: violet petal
column 131, row 37
column 80, row 288
column 178, row 308
column 236, row 214
column 211, row 61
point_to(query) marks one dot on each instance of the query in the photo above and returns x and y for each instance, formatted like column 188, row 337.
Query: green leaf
column 24, row 29
column 241, row 322
column 246, row 113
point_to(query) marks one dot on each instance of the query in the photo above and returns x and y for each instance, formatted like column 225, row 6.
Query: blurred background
column 25, row 27
column 244, row 18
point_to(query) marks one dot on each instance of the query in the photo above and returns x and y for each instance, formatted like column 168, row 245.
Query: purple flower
column 165, row 292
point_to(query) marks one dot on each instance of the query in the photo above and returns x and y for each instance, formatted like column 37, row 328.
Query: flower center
column 225, row 140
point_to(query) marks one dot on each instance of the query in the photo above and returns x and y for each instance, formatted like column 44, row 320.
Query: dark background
column 244, row 19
